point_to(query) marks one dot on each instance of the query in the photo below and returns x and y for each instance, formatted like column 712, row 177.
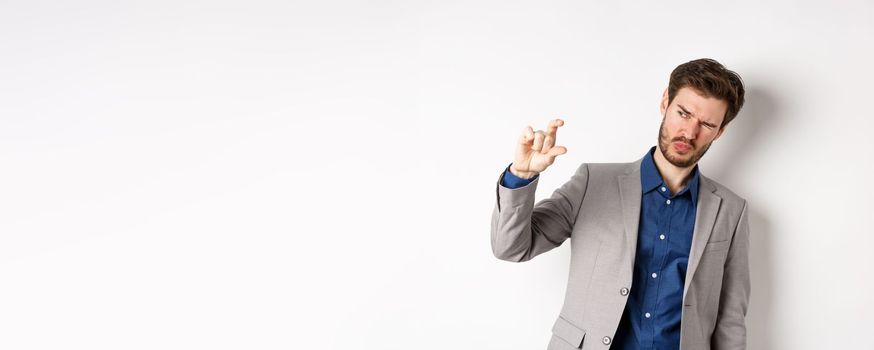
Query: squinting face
column 689, row 125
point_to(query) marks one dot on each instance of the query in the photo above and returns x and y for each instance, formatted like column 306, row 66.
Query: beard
column 678, row 160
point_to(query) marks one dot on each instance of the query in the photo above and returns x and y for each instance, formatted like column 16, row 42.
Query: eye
column 684, row 115
column 709, row 127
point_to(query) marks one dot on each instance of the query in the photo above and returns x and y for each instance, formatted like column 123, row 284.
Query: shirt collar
column 650, row 178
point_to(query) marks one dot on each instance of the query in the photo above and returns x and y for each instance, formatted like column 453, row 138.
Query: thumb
column 556, row 151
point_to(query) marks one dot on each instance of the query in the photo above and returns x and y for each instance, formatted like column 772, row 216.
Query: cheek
column 707, row 138
column 671, row 127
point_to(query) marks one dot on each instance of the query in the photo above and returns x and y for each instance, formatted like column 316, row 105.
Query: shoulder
column 607, row 169
column 724, row 192
column 604, row 175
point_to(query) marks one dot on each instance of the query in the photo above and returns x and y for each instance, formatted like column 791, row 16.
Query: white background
column 320, row 175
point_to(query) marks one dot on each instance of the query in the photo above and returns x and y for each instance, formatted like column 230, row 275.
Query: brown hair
column 711, row 79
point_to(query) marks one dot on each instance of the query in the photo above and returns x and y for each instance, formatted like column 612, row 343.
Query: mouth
column 681, row 147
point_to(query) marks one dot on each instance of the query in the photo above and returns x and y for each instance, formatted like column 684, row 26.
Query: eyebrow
column 690, row 113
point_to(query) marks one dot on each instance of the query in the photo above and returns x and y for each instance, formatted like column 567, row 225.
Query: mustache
column 684, row 140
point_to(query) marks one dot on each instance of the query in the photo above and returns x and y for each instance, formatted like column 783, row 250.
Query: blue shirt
column 651, row 319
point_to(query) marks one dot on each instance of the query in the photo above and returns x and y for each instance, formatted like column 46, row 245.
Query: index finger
column 553, row 127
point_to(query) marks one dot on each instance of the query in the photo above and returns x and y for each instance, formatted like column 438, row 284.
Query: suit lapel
column 630, row 192
column 705, row 218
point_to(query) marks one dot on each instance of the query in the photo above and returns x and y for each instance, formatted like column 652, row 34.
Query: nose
column 691, row 129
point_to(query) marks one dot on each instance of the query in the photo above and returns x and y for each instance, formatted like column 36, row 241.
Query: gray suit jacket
column 599, row 210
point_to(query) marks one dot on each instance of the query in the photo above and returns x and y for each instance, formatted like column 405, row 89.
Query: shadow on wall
column 759, row 315
column 759, row 115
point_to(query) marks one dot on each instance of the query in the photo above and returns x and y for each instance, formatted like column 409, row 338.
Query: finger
column 552, row 128
column 527, row 136
column 538, row 140
column 548, row 142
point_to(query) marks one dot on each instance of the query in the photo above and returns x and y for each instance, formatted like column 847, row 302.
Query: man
column 658, row 250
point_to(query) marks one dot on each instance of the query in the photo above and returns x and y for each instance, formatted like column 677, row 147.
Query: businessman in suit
column 658, row 250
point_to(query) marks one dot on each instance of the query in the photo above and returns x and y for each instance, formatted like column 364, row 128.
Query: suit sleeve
column 731, row 332
column 521, row 229
column 512, row 181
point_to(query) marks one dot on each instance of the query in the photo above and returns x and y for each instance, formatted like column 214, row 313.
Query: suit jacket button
column 606, row 340
column 623, row 291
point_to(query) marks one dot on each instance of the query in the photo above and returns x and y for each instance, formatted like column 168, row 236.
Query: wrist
column 527, row 175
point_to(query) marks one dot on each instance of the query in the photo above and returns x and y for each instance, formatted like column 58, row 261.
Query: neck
column 675, row 177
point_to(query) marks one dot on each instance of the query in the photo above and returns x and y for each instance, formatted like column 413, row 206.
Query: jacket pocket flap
column 568, row 332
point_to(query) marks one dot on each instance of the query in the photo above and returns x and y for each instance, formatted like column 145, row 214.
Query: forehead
column 709, row 109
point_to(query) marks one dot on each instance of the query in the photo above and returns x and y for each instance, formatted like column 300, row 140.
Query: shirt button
column 662, row 236
column 623, row 291
column 606, row 340
column 669, row 201
column 663, row 188
column 654, row 275
column 647, row 315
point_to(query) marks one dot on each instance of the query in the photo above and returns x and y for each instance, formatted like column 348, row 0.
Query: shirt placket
column 657, row 263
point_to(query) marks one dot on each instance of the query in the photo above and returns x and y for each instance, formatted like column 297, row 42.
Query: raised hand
column 536, row 150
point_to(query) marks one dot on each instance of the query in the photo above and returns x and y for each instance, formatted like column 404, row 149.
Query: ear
column 664, row 105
